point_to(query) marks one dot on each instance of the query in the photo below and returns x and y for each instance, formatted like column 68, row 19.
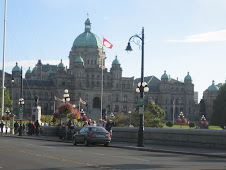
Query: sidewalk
column 220, row 153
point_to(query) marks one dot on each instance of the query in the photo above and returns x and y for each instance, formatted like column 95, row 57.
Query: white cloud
column 204, row 37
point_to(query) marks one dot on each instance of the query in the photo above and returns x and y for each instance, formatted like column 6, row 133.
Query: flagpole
column 101, row 105
column 3, row 62
column 79, row 105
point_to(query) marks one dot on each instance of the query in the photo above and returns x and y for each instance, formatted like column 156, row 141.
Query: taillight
column 91, row 134
column 109, row 135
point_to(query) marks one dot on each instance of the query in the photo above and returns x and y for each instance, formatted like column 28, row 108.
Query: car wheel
column 86, row 142
column 74, row 141
column 106, row 144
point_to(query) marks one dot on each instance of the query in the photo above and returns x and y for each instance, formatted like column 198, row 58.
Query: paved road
column 16, row 153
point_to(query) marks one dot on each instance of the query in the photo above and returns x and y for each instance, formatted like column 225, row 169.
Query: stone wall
column 164, row 136
column 179, row 137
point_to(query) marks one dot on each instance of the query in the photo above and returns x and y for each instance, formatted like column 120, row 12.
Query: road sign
column 141, row 110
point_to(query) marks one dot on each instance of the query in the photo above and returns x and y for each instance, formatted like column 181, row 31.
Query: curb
column 128, row 147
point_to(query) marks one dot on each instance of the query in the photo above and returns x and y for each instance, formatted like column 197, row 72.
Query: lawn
column 187, row 127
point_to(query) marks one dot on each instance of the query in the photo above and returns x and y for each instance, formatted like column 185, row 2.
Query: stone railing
column 164, row 136
column 169, row 136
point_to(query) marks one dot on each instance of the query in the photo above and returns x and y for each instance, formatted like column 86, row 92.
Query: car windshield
column 95, row 129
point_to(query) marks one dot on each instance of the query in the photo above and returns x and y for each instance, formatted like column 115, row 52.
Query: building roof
column 165, row 76
column 34, row 82
column 79, row 59
column 87, row 39
column 116, row 61
column 213, row 87
column 61, row 65
column 16, row 68
column 28, row 71
column 188, row 77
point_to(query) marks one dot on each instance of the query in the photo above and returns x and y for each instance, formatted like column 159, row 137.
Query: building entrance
column 96, row 102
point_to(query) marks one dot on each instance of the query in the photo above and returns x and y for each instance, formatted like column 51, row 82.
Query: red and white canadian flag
column 107, row 44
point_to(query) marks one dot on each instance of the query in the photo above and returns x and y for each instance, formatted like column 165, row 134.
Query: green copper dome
column 29, row 70
column 79, row 59
column 213, row 87
column 16, row 68
column 87, row 39
column 165, row 76
column 116, row 61
column 35, row 68
column 61, row 65
column 188, row 77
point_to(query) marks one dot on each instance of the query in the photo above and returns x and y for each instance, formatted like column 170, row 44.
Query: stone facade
column 83, row 79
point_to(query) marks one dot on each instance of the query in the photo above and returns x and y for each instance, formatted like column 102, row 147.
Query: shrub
column 192, row 124
column 169, row 124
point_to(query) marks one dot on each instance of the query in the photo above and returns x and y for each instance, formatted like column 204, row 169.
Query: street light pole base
column 140, row 145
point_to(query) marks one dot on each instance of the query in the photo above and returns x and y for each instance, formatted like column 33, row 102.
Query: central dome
column 87, row 39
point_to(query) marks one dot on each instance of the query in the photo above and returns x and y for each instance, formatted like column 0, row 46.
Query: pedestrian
column 86, row 123
column 16, row 126
column 32, row 128
column 29, row 128
column 1, row 126
column 100, row 123
column 6, row 127
column 24, row 128
column 94, row 123
column 45, row 124
column 89, row 121
column 37, row 125
column 109, row 126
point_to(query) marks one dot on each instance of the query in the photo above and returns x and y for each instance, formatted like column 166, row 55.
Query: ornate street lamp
column 66, row 97
column 142, row 86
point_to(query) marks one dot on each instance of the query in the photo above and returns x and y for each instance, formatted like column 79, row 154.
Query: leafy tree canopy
column 153, row 116
column 219, row 108
column 7, row 101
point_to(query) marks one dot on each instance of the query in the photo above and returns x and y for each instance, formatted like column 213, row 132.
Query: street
column 18, row 153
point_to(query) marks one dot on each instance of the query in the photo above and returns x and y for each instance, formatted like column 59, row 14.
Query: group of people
column 31, row 128
column 107, row 125
column 2, row 124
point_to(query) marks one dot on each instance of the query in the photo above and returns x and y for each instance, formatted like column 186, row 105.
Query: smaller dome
column 16, row 68
column 28, row 71
column 165, row 76
column 61, row 65
column 35, row 68
column 188, row 77
column 116, row 61
column 213, row 87
column 79, row 59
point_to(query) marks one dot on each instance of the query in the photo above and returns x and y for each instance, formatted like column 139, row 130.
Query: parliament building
column 83, row 79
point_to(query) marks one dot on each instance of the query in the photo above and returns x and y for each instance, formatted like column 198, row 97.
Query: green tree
column 7, row 101
column 153, row 116
column 219, row 108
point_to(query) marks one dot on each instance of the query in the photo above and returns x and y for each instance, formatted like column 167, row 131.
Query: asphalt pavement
column 210, row 152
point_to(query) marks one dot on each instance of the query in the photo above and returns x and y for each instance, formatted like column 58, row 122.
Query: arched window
column 46, row 96
column 92, row 84
column 98, row 84
column 87, row 83
column 124, row 98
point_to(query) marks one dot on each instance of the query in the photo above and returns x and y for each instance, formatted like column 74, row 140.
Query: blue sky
column 180, row 35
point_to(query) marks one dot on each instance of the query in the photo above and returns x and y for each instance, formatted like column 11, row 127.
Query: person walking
column 100, row 123
column 1, row 126
column 37, row 125
column 109, row 126
column 32, row 128
column 16, row 126
column 6, row 127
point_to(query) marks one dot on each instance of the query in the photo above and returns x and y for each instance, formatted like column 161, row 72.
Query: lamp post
column 142, row 87
column 66, row 97
column 181, row 116
column 12, row 81
column 21, row 103
column 129, row 112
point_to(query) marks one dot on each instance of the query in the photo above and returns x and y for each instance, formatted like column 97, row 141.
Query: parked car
column 92, row 135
